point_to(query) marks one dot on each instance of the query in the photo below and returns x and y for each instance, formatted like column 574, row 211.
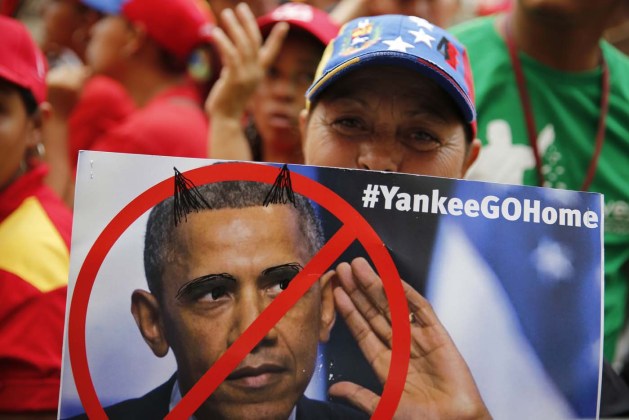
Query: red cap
column 490, row 7
column 314, row 21
column 178, row 26
column 21, row 60
column 9, row 7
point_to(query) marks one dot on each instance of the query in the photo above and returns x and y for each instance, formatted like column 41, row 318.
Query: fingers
column 427, row 332
column 371, row 284
column 419, row 307
column 239, row 47
column 375, row 351
column 372, row 314
column 249, row 23
column 438, row 382
column 273, row 44
column 362, row 398
column 235, row 24
column 245, row 39
column 226, row 49
column 240, row 39
column 68, row 77
column 367, row 313
column 64, row 88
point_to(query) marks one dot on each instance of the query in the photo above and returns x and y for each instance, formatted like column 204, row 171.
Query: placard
column 513, row 272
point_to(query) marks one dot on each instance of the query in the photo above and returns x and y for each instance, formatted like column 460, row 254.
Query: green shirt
column 566, row 109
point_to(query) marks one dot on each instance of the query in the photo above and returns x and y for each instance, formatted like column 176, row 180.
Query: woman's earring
column 40, row 150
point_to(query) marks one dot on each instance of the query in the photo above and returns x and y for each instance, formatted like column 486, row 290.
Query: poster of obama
column 209, row 290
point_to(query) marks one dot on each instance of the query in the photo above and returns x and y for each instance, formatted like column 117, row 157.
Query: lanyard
column 530, row 121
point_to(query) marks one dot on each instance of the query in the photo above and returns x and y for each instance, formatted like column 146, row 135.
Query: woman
column 34, row 237
column 264, row 87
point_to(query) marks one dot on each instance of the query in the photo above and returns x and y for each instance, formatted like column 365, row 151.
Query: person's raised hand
column 439, row 383
column 65, row 84
column 245, row 60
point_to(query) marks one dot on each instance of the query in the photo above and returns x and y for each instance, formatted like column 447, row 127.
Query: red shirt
column 35, row 229
column 171, row 124
column 104, row 103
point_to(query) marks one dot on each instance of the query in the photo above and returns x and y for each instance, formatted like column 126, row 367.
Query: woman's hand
column 438, row 384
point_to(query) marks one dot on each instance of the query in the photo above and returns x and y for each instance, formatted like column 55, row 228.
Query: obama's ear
column 147, row 314
column 328, row 313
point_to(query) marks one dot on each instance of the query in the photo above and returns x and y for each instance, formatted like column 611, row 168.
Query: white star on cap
column 421, row 36
column 398, row 45
column 422, row 23
column 363, row 23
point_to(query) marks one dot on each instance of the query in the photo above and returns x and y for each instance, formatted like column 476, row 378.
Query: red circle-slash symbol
column 355, row 227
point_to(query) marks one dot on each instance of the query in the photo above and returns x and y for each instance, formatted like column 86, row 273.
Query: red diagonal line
column 261, row 326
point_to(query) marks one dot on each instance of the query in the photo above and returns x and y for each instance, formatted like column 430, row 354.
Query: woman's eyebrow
column 429, row 110
column 189, row 286
column 346, row 97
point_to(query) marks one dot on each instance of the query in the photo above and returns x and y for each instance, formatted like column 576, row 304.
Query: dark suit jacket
column 154, row 406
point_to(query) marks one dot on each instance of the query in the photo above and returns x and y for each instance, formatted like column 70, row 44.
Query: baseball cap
column 21, row 61
column 9, row 7
column 400, row 40
column 300, row 15
column 177, row 25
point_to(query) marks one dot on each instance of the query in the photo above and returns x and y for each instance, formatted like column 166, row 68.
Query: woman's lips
column 281, row 121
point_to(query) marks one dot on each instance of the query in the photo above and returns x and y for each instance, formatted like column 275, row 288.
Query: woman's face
column 60, row 19
column 106, row 49
column 388, row 119
column 18, row 132
column 281, row 95
column 570, row 12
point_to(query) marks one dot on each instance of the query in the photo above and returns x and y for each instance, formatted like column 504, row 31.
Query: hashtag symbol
column 370, row 196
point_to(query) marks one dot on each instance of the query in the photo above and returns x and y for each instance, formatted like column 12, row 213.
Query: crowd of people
column 530, row 94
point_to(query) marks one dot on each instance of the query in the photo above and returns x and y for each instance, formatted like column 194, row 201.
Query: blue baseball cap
column 399, row 40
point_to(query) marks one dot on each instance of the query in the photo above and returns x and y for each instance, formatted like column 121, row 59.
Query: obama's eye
column 278, row 278
column 216, row 293
column 277, row 288
column 209, row 288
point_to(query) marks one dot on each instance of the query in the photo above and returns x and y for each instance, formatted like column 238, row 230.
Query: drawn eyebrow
column 191, row 286
column 294, row 265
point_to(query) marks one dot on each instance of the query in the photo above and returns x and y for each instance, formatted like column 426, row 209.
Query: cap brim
column 109, row 7
column 398, row 59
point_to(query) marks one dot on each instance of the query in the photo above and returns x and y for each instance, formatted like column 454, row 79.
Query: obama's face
column 230, row 264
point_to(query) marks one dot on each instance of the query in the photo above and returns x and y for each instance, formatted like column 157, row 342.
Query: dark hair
column 30, row 104
column 296, row 31
column 29, row 100
column 160, row 244
column 171, row 63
